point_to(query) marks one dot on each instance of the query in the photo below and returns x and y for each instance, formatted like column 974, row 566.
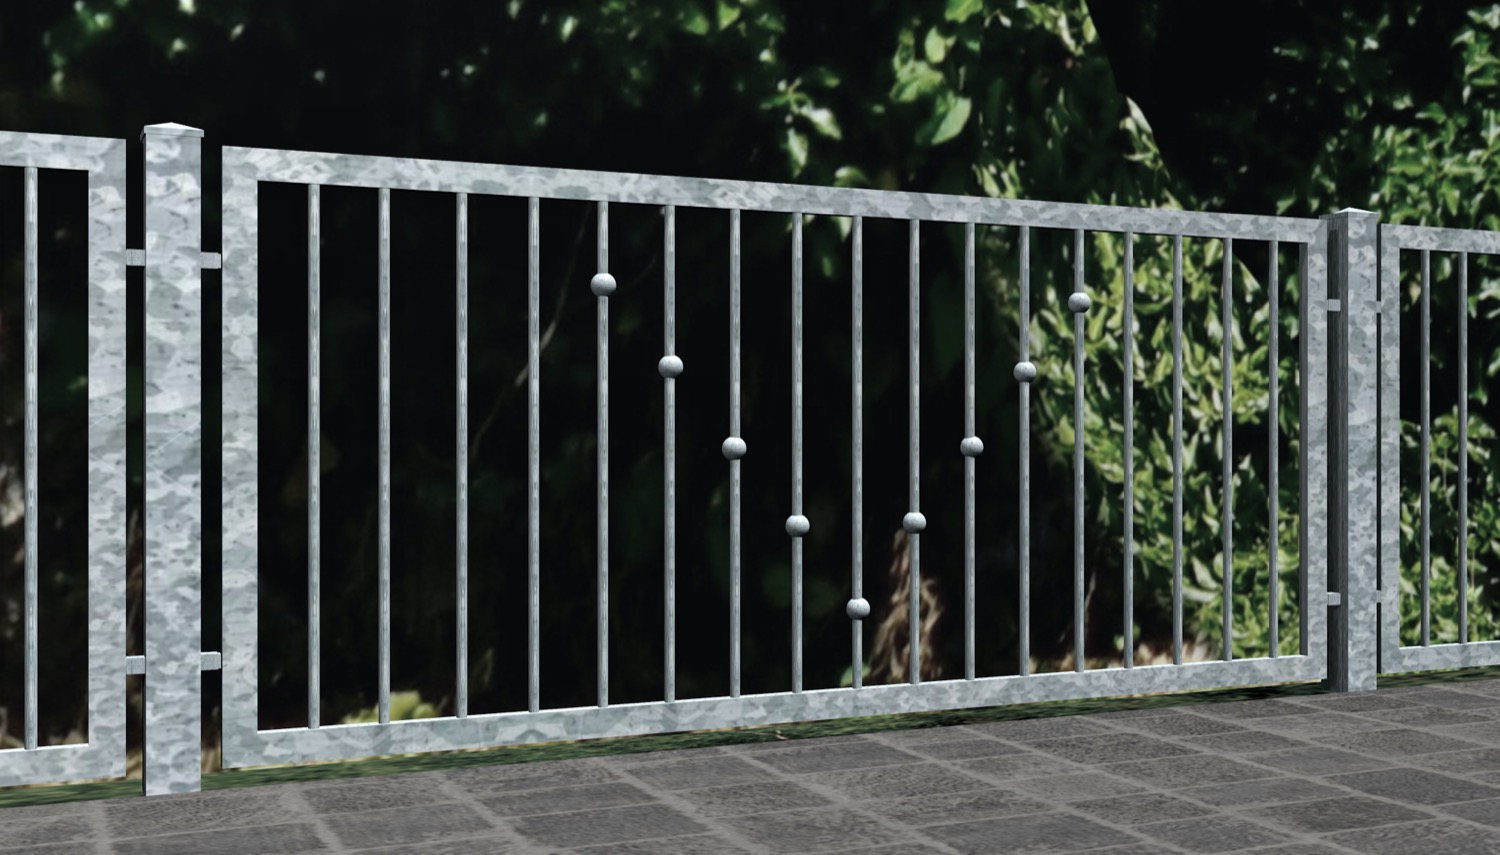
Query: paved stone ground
column 1399, row 771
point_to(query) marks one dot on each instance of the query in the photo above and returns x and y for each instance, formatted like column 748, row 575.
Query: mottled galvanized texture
column 348, row 170
column 240, row 429
column 1352, row 517
column 423, row 735
column 1313, row 575
column 245, row 745
column 1424, row 240
column 1389, row 580
column 174, row 446
column 1442, row 240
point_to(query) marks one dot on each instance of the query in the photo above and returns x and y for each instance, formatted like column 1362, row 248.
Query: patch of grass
column 437, row 761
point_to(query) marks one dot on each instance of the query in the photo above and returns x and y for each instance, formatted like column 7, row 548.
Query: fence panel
column 1394, row 657
column 246, row 745
column 103, row 755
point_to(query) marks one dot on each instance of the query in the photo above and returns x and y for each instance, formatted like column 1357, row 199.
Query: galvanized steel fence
column 1348, row 472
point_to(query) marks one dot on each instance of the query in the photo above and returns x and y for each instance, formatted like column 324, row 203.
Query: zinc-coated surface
column 173, row 258
column 174, row 442
column 1400, row 244
column 244, row 166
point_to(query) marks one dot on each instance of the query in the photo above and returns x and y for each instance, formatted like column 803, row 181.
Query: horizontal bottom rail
column 243, row 747
column 1434, row 657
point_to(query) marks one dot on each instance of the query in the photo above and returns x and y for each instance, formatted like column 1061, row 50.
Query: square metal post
column 1353, row 514
column 173, row 471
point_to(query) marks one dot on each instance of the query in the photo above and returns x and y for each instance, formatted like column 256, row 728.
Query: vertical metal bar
column 797, row 452
column 385, row 455
column 1426, row 439
column 1078, row 332
column 461, row 654
column 533, row 452
column 856, row 668
column 1463, row 448
column 735, row 445
column 1129, row 347
column 1307, row 377
column 1273, row 288
column 913, row 538
column 969, row 453
column 314, row 447
column 1226, row 525
column 1024, row 381
column 669, row 372
column 603, row 586
column 1389, row 455
column 30, row 213
column 1177, row 449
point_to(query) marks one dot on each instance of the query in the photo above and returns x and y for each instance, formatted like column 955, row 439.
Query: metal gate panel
column 1395, row 658
column 103, row 755
column 246, row 745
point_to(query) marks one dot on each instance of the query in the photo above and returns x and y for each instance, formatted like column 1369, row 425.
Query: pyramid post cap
column 171, row 129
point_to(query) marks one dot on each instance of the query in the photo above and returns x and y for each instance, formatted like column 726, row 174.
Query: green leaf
column 853, row 176
column 947, row 122
column 934, row 46
column 796, row 147
column 962, row 10
column 694, row 21
column 915, row 80
column 728, row 14
column 987, row 181
column 822, row 119
column 821, row 76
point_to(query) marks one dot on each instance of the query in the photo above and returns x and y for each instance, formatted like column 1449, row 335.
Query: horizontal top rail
column 1442, row 240
column 55, row 151
column 354, row 170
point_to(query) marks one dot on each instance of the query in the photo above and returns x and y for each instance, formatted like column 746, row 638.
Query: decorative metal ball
column 971, row 446
column 857, row 608
column 913, row 522
column 733, row 448
column 669, row 366
column 1024, row 372
column 602, row 285
column 797, row 525
column 1078, row 303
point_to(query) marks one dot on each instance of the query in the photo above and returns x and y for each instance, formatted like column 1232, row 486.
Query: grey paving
column 1395, row 771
